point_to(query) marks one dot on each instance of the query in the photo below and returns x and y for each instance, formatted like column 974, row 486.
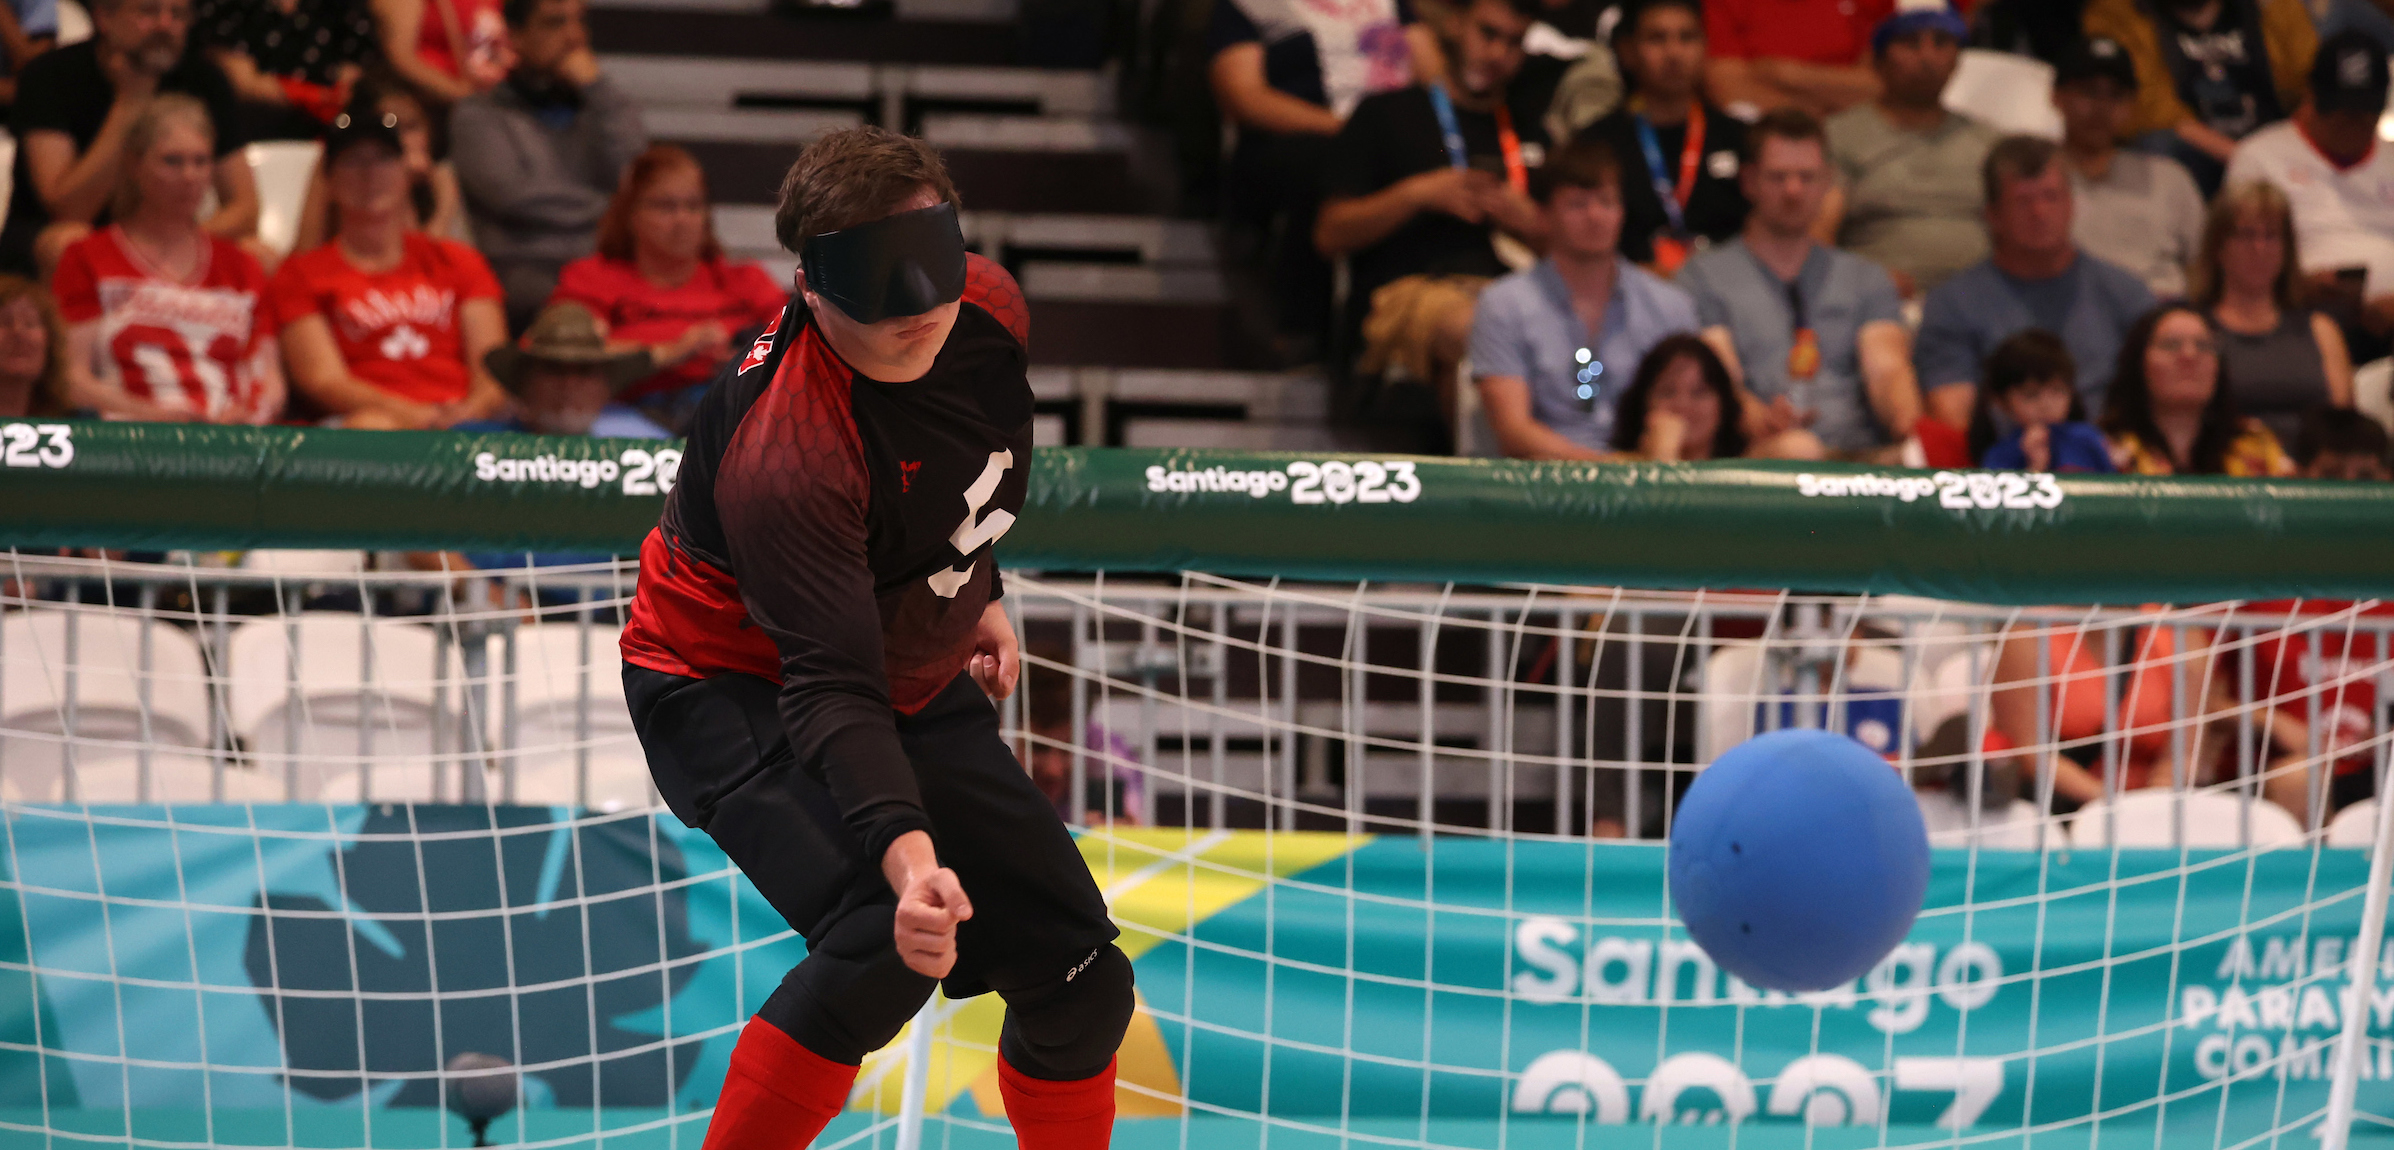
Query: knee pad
column 1068, row 1028
column 853, row 993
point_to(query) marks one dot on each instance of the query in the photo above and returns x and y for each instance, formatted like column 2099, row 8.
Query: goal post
column 1372, row 757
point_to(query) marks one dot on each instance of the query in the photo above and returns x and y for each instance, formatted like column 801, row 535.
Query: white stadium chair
column 2009, row 93
column 74, row 23
column 91, row 703
column 2354, row 826
column 283, row 169
column 2013, row 828
column 340, row 715
column 2148, row 819
column 552, row 674
column 2373, row 391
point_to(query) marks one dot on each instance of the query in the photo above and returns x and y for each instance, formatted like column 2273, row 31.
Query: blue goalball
column 1798, row 860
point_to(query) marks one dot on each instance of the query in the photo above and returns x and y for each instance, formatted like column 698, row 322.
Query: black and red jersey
column 832, row 533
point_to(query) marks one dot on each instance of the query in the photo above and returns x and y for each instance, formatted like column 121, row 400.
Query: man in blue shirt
column 1816, row 335
column 2036, row 277
column 1553, row 347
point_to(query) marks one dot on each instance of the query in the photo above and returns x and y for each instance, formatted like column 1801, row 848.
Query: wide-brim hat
column 566, row 333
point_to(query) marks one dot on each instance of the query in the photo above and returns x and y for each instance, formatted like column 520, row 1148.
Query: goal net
column 326, row 846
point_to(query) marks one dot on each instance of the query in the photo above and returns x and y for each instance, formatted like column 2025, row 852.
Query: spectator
column 1682, row 408
column 2032, row 382
column 565, row 378
column 1678, row 154
column 2035, row 277
column 539, row 156
column 166, row 321
column 449, row 49
column 1417, row 206
column 2340, row 443
column 1791, row 53
column 2280, row 357
column 660, row 280
column 1113, row 783
column 2334, row 173
column 1288, row 75
column 28, row 28
column 438, row 207
column 2169, row 414
column 74, row 112
column 2135, row 209
column 2209, row 72
column 1817, row 334
column 1905, row 195
column 385, row 327
column 291, row 63
column 32, row 351
column 1552, row 344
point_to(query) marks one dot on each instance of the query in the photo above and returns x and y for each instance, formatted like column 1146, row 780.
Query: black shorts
column 1035, row 905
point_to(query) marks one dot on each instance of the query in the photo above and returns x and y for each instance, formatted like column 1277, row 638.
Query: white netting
column 284, row 838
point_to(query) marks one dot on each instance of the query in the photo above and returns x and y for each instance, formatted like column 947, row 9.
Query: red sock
column 1058, row 1115
column 778, row 1094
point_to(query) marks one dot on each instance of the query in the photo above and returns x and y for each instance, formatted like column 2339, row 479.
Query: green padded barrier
column 1984, row 536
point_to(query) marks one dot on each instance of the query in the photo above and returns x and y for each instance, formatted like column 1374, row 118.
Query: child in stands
column 2340, row 443
column 2031, row 389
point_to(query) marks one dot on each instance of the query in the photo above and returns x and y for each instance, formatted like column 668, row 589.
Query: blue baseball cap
column 1906, row 22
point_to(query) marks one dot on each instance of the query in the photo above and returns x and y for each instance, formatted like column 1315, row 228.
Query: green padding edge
column 1818, row 527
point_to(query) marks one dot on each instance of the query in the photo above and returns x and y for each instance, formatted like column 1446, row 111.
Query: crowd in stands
column 1528, row 198
column 486, row 210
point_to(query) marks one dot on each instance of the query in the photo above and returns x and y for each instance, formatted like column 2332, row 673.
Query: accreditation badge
column 1803, row 356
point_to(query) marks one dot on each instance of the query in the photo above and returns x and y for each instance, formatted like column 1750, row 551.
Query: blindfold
column 904, row 265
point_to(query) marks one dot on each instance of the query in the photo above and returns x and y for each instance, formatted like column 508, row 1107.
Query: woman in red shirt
column 660, row 280
column 449, row 48
column 165, row 321
column 386, row 327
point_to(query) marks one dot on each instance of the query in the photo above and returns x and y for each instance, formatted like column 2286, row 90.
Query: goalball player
column 812, row 652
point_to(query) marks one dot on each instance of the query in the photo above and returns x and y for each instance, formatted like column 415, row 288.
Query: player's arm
column 797, row 540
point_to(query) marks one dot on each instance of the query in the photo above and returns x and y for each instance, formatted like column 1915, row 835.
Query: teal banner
column 168, row 973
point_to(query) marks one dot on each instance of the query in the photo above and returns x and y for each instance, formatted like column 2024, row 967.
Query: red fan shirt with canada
column 187, row 345
column 397, row 328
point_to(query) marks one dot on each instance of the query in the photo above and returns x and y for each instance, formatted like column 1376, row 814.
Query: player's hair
column 49, row 391
column 1794, row 125
column 2257, row 197
column 165, row 109
column 615, row 228
column 2024, row 357
column 2014, row 158
column 1629, row 414
column 517, row 13
column 855, row 176
column 2338, row 431
column 1586, row 162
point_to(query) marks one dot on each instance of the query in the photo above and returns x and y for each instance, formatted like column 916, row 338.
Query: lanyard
column 1674, row 197
column 1507, row 143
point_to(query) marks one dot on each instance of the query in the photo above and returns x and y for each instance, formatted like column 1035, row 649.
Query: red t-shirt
column 2316, row 666
column 1834, row 32
column 396, row 329
column 197, row 346
column 740, row 296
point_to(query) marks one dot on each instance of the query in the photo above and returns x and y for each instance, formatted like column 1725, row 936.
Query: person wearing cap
column 2209, row 72
column 813, row 650
column 2339, row 179
column 1809, row 54
column 539, row 156
column 2138, row 210
column 385, row 327
column 564, row 377
column 1907, row 195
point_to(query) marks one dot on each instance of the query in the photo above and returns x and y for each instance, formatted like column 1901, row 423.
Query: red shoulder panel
column 990, row 287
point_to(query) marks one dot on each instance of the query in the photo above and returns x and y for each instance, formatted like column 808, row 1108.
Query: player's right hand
column 928, row 911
